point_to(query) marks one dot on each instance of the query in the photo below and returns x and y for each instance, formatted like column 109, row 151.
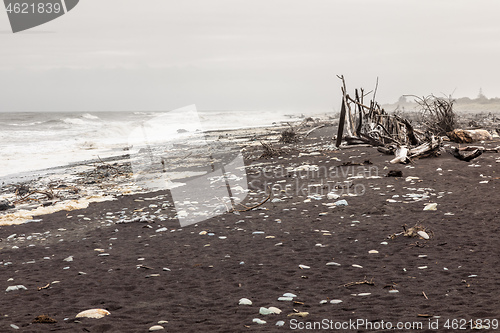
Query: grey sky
column 259, row 54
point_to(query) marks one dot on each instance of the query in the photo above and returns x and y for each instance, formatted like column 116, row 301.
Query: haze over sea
column 36, row 141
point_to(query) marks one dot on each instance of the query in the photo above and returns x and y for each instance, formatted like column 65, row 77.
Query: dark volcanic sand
column 201, row 291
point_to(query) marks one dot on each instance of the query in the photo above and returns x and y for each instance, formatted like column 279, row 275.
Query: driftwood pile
column 370, row 124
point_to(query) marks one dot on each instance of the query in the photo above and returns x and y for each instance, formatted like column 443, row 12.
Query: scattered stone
column 332, row 196
column 357, row 266
column 423, row 234
column 362, row 294
column 15, row 288
column 335, row 301
column 373, row 251
column 245, row 301
column 259, row 321
column 156, row 328
column 265, row 311
column 93, row 313
column 332, row 263
column 431, row 206
column 69, row 259
column 280, row 323
column 341, row 203
column 304, row 267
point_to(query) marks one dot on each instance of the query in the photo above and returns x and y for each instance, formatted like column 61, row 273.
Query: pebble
column 14, row 326
column 335, row 301
column 362, row 294
column 68, row 259
column 274, row 310
column 280, row 323
column 394, row 291
column 156, row 328
column 161, row 229
column 93, row 313
column 15, row 288
column 245, row 301
column 332, row 263
column 259, row 321
column 373, row 251
column 357, row 266
column 257, row 232
column 423, row 234
column 384, row 243
column 431, row 206
column 289, row 295
column 340, row 203
column 304, row 267
column 265, row 311
column 285, row 299
column 332, row 196
column 422, row 267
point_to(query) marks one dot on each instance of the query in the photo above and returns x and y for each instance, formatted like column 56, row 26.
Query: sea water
column 35, row 141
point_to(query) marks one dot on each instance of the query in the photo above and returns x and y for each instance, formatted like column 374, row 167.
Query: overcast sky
column 245, row 55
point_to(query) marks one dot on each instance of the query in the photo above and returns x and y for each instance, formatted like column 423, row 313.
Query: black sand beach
column 191, row 279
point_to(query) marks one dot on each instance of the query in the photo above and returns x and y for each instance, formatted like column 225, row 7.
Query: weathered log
column 341, row 124
column 468, row 136
column 466, row 157
column 401, row 155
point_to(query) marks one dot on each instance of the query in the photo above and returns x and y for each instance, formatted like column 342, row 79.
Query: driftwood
column 469, row 136
column 466, row 157
column 401, row 155
column 391, row 133
column 436, row 113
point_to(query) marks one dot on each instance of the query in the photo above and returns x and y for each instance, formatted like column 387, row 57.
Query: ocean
column 36, row 141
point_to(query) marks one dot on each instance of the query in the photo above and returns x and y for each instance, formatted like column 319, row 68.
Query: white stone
column 332, row 263
column 156, row 328
column 15, row 288
column 274, row 310
column 259, row 321
column 423, row 234
column 431, row 206
column 335, row 301
column 245, row 301
column 265, row 311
